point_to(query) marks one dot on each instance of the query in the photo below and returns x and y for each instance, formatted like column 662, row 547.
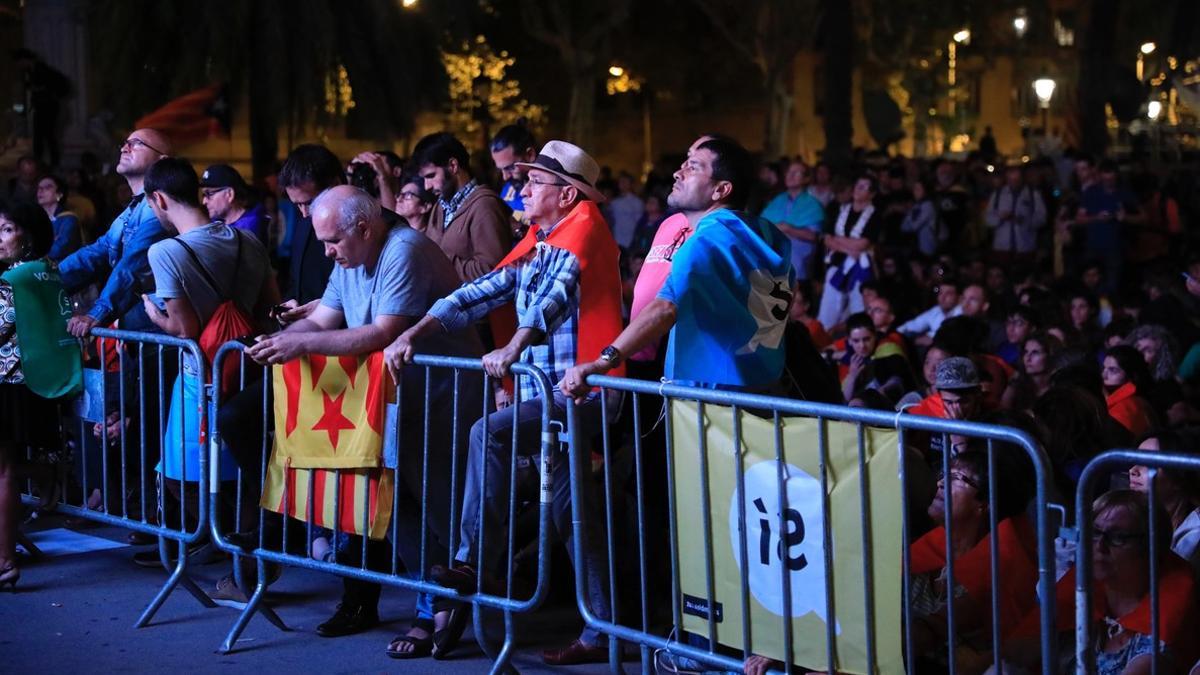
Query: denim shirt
column 121, row 253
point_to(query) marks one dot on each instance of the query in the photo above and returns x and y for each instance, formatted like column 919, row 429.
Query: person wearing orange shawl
column 564, row 281
column 962, row 498
column 1120, row 633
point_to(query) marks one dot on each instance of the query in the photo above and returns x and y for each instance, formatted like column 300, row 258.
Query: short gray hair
column 355, row 207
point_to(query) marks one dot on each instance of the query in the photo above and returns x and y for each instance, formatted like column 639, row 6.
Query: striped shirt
column 545, row 288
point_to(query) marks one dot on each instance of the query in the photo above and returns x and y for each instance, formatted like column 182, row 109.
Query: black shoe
column 348, row 620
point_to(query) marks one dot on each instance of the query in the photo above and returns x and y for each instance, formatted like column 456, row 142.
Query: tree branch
column 739, row 44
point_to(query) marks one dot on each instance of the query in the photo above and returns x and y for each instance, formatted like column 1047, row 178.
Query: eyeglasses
column 680, row 237
column 959, row 477
column 1116, row 538
column 208, row 193
column 135, row 143
column 531, row 181
column 409, row 195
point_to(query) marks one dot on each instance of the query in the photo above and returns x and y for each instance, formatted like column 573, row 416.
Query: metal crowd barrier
column 144, row 385
column 639, row 628
column 1099, row 468
column 278, row 552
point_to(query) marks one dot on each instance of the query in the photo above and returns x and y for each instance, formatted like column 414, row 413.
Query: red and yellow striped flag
column 329, row 415
column 290, row 491
column 331, row 411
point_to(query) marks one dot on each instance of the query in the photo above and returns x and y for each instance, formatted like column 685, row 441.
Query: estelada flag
column 193, row 117
column 329, row 417
column 332, row 496
column 329, row 411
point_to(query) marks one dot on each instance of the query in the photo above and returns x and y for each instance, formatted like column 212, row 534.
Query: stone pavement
column 75, row 613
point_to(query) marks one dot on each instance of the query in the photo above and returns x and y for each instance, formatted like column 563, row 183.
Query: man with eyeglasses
column 470, row 223
column 565, row 282
column 121, row 252
column 229, row 200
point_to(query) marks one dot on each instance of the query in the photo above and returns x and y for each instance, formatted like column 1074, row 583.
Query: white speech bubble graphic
column 800, row 546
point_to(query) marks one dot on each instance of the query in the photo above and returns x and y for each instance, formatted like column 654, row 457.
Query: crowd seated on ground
column 935, row 288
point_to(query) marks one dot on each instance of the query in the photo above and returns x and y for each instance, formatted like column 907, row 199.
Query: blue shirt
column 1104, row 235
column 731, row 286
column 120, row 253
column 510, row 194
column 66, row 235
column 802, row 211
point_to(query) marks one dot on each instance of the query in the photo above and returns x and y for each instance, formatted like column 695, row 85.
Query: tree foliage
column 278, row 54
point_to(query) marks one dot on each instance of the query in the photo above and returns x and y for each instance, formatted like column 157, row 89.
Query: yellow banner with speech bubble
column 800, row 549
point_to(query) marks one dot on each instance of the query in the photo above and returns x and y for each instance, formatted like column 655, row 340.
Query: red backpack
column 227, row 323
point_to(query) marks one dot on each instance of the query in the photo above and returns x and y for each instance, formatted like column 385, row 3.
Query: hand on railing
column 498, row 363
column 574, row 383
column 81, row 325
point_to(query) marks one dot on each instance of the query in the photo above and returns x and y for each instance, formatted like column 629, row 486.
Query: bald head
column 156, row 138
column 347, row 221
column 141, row 149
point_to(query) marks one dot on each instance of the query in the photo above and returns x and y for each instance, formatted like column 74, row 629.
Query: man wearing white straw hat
column 562, row 277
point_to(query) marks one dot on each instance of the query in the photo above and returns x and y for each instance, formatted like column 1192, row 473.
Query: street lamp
column 1043, row 87
column 963, row 37
column 408, row 4
column 1020, row 25
column 1145, row 50
column 616, row 71
column 1153, row 110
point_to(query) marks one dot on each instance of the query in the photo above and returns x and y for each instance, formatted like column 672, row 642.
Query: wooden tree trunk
column 778, row 114
column 581, row 112
column 839, row 80
column 1094, row 72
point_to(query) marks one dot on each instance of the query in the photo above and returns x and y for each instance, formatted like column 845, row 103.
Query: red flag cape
column 192, row 117
column 1017, row 558
column 584, row 233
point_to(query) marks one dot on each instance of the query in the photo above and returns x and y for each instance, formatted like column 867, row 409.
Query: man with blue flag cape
column 726, row 300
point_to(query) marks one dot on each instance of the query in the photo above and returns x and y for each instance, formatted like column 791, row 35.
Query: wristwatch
column 611, row 356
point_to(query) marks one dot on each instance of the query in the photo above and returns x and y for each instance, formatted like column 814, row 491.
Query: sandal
column 419, row 647
column 446, row 639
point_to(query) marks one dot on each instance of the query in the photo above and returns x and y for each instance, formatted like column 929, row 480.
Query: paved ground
column 75, row 613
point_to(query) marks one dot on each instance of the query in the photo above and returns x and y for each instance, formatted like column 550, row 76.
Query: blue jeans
column 495, row 450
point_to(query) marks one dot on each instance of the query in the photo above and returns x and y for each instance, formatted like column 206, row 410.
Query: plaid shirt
column 451, row 207
column 545, row 287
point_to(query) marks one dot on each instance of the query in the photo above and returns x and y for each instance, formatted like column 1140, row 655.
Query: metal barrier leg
column 254, row 604
column 178, row 578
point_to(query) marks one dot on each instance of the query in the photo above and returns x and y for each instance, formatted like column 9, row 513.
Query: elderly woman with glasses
column 39, row 362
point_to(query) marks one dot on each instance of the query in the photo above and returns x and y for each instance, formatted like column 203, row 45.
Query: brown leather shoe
column 575, row 654
column 464, row 579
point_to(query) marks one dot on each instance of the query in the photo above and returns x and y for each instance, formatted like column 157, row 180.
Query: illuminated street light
column 1043, row 87
column 1020, row 25
column 408, row 4
column 1153, row 110
column 616, row 71
column 963, row 37
column 1148, row 48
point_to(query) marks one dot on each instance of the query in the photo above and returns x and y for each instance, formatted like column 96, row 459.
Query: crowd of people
column 1056, row 296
